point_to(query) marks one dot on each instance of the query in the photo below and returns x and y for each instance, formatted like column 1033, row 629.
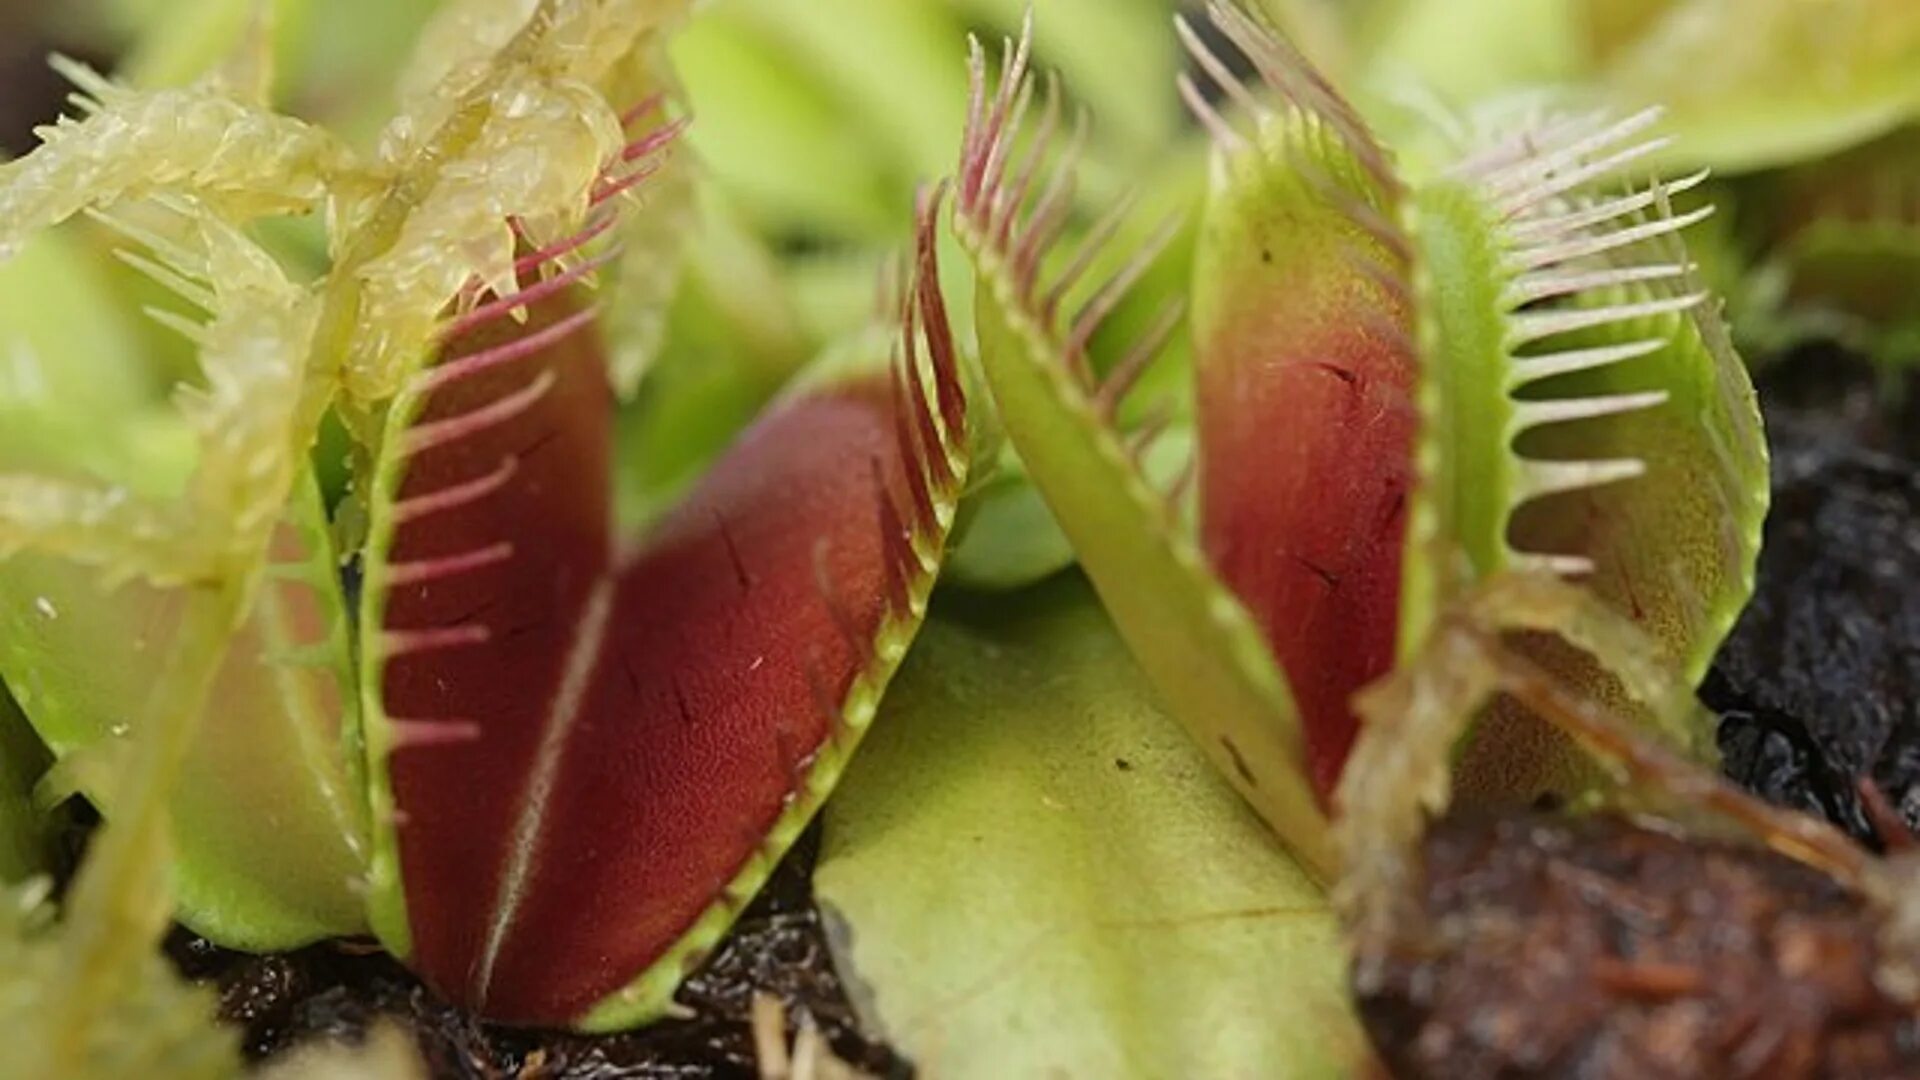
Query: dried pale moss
column 495, row 146
column 205, row 140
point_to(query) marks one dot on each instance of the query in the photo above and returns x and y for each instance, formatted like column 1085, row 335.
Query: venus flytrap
column 1192, row 637
column 1754, row 86
column 82, row 432
column 525, row 664
column 99, row 960
column 88, row 993
column 284, row 679
column 499, row 592
column 1484, row 393
column 1405, row 385
column 572, row 734
column 1578, row 409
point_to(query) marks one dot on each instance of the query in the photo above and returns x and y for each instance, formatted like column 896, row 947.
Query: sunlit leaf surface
column 1034, row 872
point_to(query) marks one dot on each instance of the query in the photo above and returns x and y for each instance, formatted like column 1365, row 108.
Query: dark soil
column 1555, row 947
column 339, row 991
column 1591, row 948
column 1820, row 682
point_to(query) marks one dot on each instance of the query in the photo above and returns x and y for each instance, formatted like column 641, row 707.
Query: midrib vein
column 576, row 677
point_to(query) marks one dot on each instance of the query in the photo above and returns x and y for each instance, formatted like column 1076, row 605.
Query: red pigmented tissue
column 635, row 719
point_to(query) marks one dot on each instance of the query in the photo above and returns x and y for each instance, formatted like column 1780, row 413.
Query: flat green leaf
column 1465, row 50
column 890, row 67
column 1753, row 84
column 1010, row 539
column 776, row 140
column 1033, row 872
column 1749, row 84
column 268, row 825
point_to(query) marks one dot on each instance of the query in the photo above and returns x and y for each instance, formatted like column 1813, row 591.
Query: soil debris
column 1596, row 948
column 341, row 991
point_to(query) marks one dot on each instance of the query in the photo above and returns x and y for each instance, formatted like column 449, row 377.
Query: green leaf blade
column 267, row 827
column 1196, row 641
column 1199, row 645
column 1123, row 914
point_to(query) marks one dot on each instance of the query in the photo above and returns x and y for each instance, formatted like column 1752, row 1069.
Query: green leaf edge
column 1048, row 414
column 1458, row 305
column 1432, row 573
column 319, row 571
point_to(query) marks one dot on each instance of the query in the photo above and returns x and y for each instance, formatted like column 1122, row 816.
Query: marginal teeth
column 1598, row 243
column 165, row 276
column 1530, row 326
column 178, row 323
column 1539, row 166
column 1562, row 565
column 1513, row 151
column 1530, row 369
column 1554, row 186
column 89, row 82
column 1216, row 125
column 1542, row 284
column 1540, row 478
column 1533, row 414
column 173, row 253
column 1217, row 70
column 1545, row 228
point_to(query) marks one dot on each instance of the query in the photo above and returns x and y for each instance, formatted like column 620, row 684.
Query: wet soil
column 1593, row 948
column 1820, row 681
column 1554, row 947
column 341, row 990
